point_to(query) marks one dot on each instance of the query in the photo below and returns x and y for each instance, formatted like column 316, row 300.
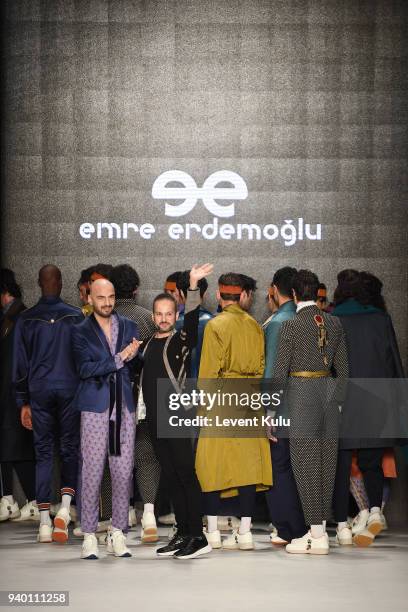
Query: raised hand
column 199, row 272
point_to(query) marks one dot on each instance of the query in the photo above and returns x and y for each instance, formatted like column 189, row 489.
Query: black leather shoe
column 177, row 542
column 194, row 547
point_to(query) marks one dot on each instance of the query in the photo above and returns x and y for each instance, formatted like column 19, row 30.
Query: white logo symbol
column 208, row 193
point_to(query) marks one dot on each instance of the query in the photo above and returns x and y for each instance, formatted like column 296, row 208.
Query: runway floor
column 371, row 579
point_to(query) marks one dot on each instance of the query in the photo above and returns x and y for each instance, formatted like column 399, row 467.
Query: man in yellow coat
column 232, row 459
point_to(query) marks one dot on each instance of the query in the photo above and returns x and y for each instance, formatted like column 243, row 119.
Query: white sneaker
column 167, row 519
column 61, row 522
column 309, row 545
column 149, row 528
column 228, row 523
column 363, row 538
column 383, row 521
column 344, row 537
column 213, row 538
column 8, row 510
column 276, row 540
column 44, row 534
column 375, row 523
column 132, row 521
column 89, row 547
column 116, row 544
column 360, row 522
column 237, row 541
column 29, row 512
column 172, row 531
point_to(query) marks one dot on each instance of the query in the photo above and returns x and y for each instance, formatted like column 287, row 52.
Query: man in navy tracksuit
column 45, row 381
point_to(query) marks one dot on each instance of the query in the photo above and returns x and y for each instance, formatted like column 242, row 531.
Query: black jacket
column 372, row 411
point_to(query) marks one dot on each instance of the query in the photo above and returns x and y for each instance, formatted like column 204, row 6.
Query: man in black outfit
column 167, row 355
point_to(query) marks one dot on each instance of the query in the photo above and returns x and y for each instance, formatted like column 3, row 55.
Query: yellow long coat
column 233, row 347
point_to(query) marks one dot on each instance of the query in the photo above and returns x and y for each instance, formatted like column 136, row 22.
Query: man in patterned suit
column 311, row 352
column 126, row 282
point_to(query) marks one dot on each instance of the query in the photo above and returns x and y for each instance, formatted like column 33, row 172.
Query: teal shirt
column 286, row 312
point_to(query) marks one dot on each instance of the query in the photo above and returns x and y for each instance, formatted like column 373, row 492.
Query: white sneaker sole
column 323, row 551
column 203, row 551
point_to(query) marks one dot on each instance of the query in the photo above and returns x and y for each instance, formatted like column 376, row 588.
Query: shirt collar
column 301, row 305
column 50, row 299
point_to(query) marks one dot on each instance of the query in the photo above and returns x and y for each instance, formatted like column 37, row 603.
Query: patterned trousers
column 94, row 449
column 313, row 445
column 147, row 465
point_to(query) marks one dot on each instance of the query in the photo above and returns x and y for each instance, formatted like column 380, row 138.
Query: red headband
column 170, row 286
column 231, row 289
column 96, row 276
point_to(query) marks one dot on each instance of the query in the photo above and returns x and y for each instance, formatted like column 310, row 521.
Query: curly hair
column 126, row 280
column 8, row 283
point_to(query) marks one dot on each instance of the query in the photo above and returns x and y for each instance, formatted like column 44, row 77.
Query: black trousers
column 247, row 501
column 25, row 471
column 282, row 498
column 369, row 461
column 177, row 461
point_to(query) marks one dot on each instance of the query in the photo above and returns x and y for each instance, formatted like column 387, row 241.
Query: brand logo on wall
column 208, row 193
column 221, row 186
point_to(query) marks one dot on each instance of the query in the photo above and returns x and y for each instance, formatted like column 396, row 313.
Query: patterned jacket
column 128, row 308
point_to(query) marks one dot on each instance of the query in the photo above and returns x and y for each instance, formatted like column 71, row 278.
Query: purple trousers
column 94, row 449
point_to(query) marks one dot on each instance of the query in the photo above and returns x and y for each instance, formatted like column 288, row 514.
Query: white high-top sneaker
column 149, row 528
column 29, row 512
column 309, row 545
column 132, row 521
column 213, row 538
column 344, row 537
column 44, row 534
column 116, row 544
column 8, row 510
column 375, row 523
column 89, row 547
column 172, row 531
column 236, row 541
column 360, row 522
column 228, row 523
column 61, row 522
column 167, row 519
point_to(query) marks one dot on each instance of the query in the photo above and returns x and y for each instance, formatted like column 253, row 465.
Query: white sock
column 317, row 531
column 341, row 525
column 212, row 523
column 245, row 525
column 374, row 509
column 324, row 526
column 148, row 508
column 87, row 535
column 45, row 518
column 9, row 498
column 66, row 501
column 115, row 529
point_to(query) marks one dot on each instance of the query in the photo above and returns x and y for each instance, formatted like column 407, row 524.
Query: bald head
column 102, row 297
column 50, row 280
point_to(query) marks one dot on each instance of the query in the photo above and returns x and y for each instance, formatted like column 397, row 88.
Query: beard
column 105, row 312
column 164, row 328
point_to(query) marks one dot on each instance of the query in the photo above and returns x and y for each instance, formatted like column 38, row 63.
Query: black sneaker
column 177, row 542
column 194, row 547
